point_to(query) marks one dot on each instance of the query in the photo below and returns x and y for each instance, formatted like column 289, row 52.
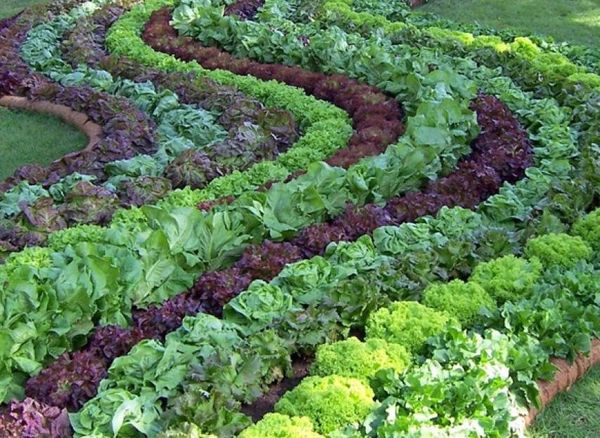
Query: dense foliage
column 361, row 360
column 330, row 402
column 406, row 323
column 296, row 174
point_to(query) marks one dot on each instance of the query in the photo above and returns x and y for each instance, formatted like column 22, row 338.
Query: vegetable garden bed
column 364, row 222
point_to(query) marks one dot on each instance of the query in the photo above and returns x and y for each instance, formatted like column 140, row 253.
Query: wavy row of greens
column 228, row 30
column 550, row 64
column 577, row 94
column 398, row 10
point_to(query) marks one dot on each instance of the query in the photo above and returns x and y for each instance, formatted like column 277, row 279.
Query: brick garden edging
column 564, row 378
column 79, row 120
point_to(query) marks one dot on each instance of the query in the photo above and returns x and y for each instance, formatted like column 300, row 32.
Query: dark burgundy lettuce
column 193, row 168
column 144, row 190
column 266, row 260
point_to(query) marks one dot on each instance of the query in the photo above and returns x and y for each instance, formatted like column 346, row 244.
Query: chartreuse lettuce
column 406, row 323
column 558, row 249
column 330, row 402
column 281, row 426
column 462, row 301
column 360, row 360
column 479, row 383
column 588, row 228
column 507, row 278
column 185, row 430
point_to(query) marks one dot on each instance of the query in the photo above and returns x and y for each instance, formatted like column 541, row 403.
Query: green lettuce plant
column 407, row 323
column 463, row 301
column 330, row 402
column 361, row 360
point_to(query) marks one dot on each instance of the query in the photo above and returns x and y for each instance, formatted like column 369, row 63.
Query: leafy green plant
column 330, row 402
column 463, row 301
column 507, row 278
column 588, row 228
column 281, row 426
column 186, row 430
column 558, row 249
column 361, row 360
column 407, row 323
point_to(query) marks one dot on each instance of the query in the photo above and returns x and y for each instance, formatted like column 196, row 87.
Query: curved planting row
column 582, row 56
column 199, row 376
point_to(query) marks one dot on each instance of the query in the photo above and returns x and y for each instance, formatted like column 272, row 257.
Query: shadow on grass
column 576, row 21
column 31, row 138
column 8, row 8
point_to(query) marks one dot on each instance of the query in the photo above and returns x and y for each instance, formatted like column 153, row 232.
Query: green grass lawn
column 573, row 414
column 576, row 21
column 9, row 8
column 30, row 138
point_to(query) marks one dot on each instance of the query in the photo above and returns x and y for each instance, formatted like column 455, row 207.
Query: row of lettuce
column 98, row 280
column 417, row 370
column 584, row 56
column 576, row 62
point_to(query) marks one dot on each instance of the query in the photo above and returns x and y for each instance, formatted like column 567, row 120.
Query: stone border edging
column 564, row 378
column 79, row 120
